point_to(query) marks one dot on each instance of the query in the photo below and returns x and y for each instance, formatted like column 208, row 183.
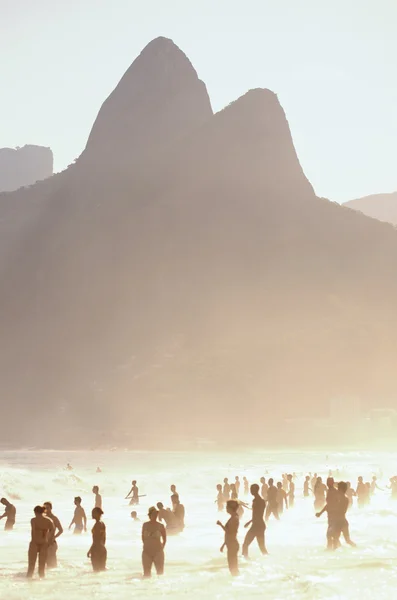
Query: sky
column 331, row 62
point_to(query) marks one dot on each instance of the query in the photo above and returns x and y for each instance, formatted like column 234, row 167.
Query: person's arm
column 104, row 533
column 286, row 500
column 129, row 494
column 248, row 524
column 221, row 525
column 3, row 515
column 143, row 533
column 164, row 535
column 73, row 520
column 325, row 509
column 58, row 525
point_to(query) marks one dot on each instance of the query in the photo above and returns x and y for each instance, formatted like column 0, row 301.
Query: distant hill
column 23, row 166
column 378, row 206
column 183, row 278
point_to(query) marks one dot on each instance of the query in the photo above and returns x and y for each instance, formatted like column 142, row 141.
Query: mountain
column 23, row 166
column 182, row 278
column 378, row 206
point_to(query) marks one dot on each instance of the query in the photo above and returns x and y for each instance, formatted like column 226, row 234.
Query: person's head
column 279, row 485
column 233, row 487
column 226, row 480
column 48, row 507
column 95, row 489
column 342, row 487
column 219, row 487
column 271, row 481
column 263, row 480
column 374, row 478
column 237, row 478
column 175, row 499
column 231, row 507
column 319, row 480
column 330, row 482
column 315, row 475
column 173, row 489
column 307, row 478
column 360, row 479
column 97, row 513
column 38, row 510
column 153, row 513
column 134, row 482
column 289, row 477
column 254, row 489
column 368, row 485
column 77, row 501
column 244, row 478
column 4, row 501
column 160, row 505
column 134, row 514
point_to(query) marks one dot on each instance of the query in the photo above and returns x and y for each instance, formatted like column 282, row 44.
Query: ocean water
column 298, row 567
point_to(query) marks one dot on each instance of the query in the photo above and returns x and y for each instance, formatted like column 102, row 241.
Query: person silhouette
column 257, row 523
column 98, row 553
column 231, row 542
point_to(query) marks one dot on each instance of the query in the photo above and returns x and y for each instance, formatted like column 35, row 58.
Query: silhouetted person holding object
column 42, row 531
column 98, row 497
column 9, row 514
column 231, row 542
column 272, row 500
column 134, row 499
column 98, row 553
column 79, row 518
column 52, row 561
column 154, row 538
column 258, row 526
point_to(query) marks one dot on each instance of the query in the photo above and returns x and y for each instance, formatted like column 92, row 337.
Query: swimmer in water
column 237, row 484
column 179, row 511
column 231, row 542
column 98, row 497
column 285, row 482
column 272, row 504
column 226, row 489
column 350, row 493
column 166, row 515
column 246, row 486
column 233, row 492
column 154, row 538
column 52, row 561
column 98, row 553
column 69, row 467
column 79, row 518
column 341, row 524
column 9, row 514
column 98, row 470
column 331, row 508
column 220, row 499
column 42, row 531
column 134, row 516
column 374, row 485
column 258, row 526
column 313, row 481
column 134, row 499
column 291, row 491
column 361, row 493
column 282, row 498
column 306, row 486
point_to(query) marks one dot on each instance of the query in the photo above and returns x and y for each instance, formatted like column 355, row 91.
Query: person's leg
column 275, row 512
column 42, row 559
column 52, row 562
column 232, row 559
column 159, row 562
column 346, row 534
column 147, row 561
column 32, row 557
column 260, row 538
column 248, row 540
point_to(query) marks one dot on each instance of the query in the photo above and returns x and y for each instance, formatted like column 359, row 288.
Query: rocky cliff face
column 184, row 267
column 24, row 166
column 378, row 206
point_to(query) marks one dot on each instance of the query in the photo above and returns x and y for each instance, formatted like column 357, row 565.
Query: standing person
column 98, row 553
column 233, row 492
column 52, row 561
column 166, row 515
column 313, row 481
column 237, row 484
column 79, row 518
column 42, row 530
column 231, row 541
column 220, row 499
column 98, row 497
column 331, row 508
column 9, row 514
column 264, row 488
column 374, row 485
column 135, row 494
column 350, row 493
column 179, row 512
column 341, row 523
column 291, row 491
column 226, row 489
column 361, row 492
column 154, row 539
column 272, row 504
column 282, row 498
column 246, row 486
column 285, row 482
column 319, row 494
column 306, row 486
column 258, row 526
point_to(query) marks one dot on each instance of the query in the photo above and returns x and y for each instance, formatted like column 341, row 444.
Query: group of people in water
column 268, row 500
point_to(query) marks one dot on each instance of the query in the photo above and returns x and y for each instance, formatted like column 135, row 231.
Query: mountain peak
column 158, row 99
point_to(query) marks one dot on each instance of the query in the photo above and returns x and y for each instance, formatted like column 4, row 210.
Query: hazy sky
column 331, row 62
